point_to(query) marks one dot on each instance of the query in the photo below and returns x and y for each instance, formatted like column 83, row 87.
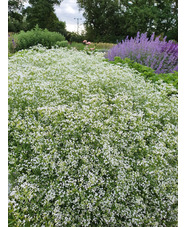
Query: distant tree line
column 106, row 20
column 109, row 20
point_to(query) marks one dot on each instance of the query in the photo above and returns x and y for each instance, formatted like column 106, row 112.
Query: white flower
column 90, row 142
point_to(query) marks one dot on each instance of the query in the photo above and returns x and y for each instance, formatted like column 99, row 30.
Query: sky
column 67, row 11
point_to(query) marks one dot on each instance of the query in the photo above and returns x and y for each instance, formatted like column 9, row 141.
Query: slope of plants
column 90, row 143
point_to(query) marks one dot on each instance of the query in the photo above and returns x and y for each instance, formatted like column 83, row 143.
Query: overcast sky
column 67, row 11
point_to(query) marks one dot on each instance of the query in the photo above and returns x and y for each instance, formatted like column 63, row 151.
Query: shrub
column 90, row 143
column 147, row 72
column 62, row 43
column 161, row 56
column 36, row 36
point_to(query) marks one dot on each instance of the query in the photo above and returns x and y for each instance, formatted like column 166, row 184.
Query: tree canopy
column 115, row 19
column 41, row 12
column 15, row 18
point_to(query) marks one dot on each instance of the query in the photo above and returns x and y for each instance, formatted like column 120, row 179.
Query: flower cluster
column 161, row 56
column 85, row 42
column 87, row 48
column 90, row 143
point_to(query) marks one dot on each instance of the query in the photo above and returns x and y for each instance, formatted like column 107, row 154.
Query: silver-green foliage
column 90, row 143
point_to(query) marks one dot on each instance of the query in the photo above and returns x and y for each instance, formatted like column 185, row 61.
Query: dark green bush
column 15, row 25
column 148, row 73
column 24, row 40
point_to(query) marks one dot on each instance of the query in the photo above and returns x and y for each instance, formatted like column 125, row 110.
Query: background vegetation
column 106, row 20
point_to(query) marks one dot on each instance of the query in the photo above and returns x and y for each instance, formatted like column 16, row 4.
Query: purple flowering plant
column 162, row 56
column 12, row 43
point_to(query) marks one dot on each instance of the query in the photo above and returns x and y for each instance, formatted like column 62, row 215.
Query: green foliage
column 38, row 12
column 128, row 17
column 59, row 26
column 10, row 55
column 74, row 37
column 103, row 46
column 148, row 73
column 13, row 25
column 62, row 43
column 16, row 26
column 91, row 48
column 14, row 7
column 42, row 13
column 36, row 36
column 16, row 21
column 78, row 46
column 11, row 43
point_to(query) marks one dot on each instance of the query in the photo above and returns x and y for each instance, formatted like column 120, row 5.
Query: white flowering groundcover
column 90, row 143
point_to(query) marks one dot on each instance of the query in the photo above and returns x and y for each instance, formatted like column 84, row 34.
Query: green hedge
column 147, row 72
column 24, row 40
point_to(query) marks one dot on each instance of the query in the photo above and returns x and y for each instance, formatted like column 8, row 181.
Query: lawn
column 90, row 143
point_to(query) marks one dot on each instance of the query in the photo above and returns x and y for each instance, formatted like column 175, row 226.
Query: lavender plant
column 162, row 56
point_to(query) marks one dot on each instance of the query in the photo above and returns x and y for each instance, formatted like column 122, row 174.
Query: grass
column 98, row 46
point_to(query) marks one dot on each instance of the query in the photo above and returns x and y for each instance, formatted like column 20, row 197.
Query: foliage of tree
column 167, row 18
column 14, row 7
column 108, row 20
column 41, row 12
column 16, row 20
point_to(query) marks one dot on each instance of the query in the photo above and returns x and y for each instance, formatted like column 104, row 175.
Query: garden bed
column 90, row 143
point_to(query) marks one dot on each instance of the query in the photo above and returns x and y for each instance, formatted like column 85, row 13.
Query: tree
column 167, row 18
column 113, row 19
column 41, row 12
column 15, row 18
column 14, row 7
column 99, row 22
